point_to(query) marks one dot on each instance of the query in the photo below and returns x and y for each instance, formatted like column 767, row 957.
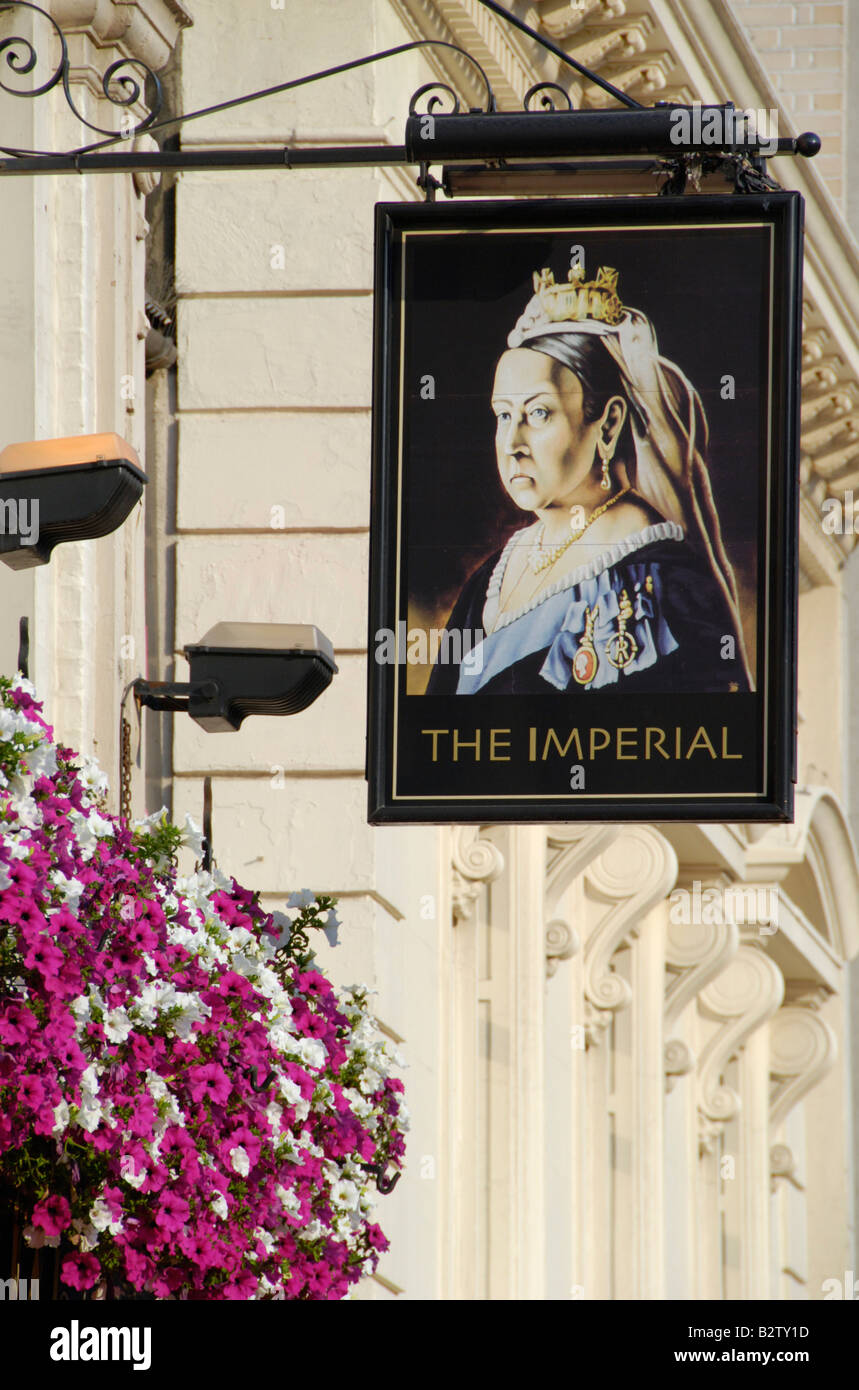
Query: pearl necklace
column 543, row 558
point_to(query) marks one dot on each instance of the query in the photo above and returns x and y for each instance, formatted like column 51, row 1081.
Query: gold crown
column 580, row 299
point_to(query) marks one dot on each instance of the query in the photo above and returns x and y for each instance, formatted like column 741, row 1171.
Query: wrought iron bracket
column 548, row 128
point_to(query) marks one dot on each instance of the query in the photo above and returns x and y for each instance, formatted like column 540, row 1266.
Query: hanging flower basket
column 188, row 1109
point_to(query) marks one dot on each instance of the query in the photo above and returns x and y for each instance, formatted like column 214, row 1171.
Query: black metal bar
column 558, row 134
column 24, row 647
column 127, row 162
column 465, row 138
column 207, row 824
column 162, row 695
column 559, row 53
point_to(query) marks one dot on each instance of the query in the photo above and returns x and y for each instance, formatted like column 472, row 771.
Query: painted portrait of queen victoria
column 616, row 579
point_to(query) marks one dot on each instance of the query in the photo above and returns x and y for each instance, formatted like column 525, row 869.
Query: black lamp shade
column 75, row 503
column 239, row 669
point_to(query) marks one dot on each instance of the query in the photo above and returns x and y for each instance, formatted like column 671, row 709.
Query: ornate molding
column 678, row 1059
column 829, row 435
column 802, row 1049
column 474, row 862
column 783, row 1165
column 570, row 849
column 148, row 29
column 562, row 943
column 633, row 874
column 739, row 1000
column 694, row 955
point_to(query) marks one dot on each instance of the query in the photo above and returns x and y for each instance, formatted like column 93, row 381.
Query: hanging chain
column 125, row 772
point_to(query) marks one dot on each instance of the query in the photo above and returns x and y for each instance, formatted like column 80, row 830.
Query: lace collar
column 662, row 531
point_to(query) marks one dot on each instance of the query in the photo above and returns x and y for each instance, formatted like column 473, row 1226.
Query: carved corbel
column 571, row 848
column 474, row 862
column 636, row 871
column 739, row 1000
column 783, row 1165
column 802, row 1049
column 562, row 943
column 695, row 953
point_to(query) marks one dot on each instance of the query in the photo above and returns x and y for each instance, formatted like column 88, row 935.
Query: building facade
column 608, row 1102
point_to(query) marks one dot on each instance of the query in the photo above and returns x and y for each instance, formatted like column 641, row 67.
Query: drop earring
column 605, row 452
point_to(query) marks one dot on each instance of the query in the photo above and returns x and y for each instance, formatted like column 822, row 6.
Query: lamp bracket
column 548, row 127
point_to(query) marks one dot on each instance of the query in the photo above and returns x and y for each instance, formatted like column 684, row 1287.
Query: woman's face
column 545, row 450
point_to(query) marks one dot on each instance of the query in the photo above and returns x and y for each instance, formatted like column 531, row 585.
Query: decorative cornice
column 144, row 29
column 740, row 1000
column 819, row 837
column 474, row 863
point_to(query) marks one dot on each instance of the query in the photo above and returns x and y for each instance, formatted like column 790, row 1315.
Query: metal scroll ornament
column 120, row 88
column 549, row 96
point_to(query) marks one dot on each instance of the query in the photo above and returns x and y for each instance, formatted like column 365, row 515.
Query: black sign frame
column 517, row 772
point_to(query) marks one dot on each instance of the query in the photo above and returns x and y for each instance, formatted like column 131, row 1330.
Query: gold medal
column 622, row 647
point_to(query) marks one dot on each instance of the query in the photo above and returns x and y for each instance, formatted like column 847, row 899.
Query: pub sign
column 585, row 496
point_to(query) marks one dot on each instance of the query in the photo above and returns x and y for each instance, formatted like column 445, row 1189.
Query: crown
column 579, row 299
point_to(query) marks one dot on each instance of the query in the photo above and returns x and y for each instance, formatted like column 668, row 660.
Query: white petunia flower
column 289, row 1200
column 71, row 888
column 101, row 1217
column 89, row 1116
column 42, row 761
column 92, row 776
column 239, row 1161
column 345, row 1194
column 310, row 1050
column 192, row 836
column 126, row 1168
column 219, row 1206
column 306, row 898
column 117, row 1025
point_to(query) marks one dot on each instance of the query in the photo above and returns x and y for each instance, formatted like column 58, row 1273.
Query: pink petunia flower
column 80, row 1271
column 53, row 1215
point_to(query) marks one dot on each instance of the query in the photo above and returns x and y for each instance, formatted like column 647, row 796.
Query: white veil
column 669, row 434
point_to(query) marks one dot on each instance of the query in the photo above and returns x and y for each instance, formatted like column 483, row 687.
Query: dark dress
column 650, row 602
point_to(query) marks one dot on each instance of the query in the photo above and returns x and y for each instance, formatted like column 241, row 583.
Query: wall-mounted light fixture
column 239, row 669
column 55, row 490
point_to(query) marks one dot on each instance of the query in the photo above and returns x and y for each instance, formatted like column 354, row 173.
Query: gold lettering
column 552, row 737
column 464, row 743
column 532, row 745
column 677, row 733
column 725, row 753
column 605, row 743
column 434, row 735
column 496, row 742
column 702, row 738
column 621, row 741
column 659, row 743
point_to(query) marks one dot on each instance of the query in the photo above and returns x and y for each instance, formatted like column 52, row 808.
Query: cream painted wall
column 274, row 384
